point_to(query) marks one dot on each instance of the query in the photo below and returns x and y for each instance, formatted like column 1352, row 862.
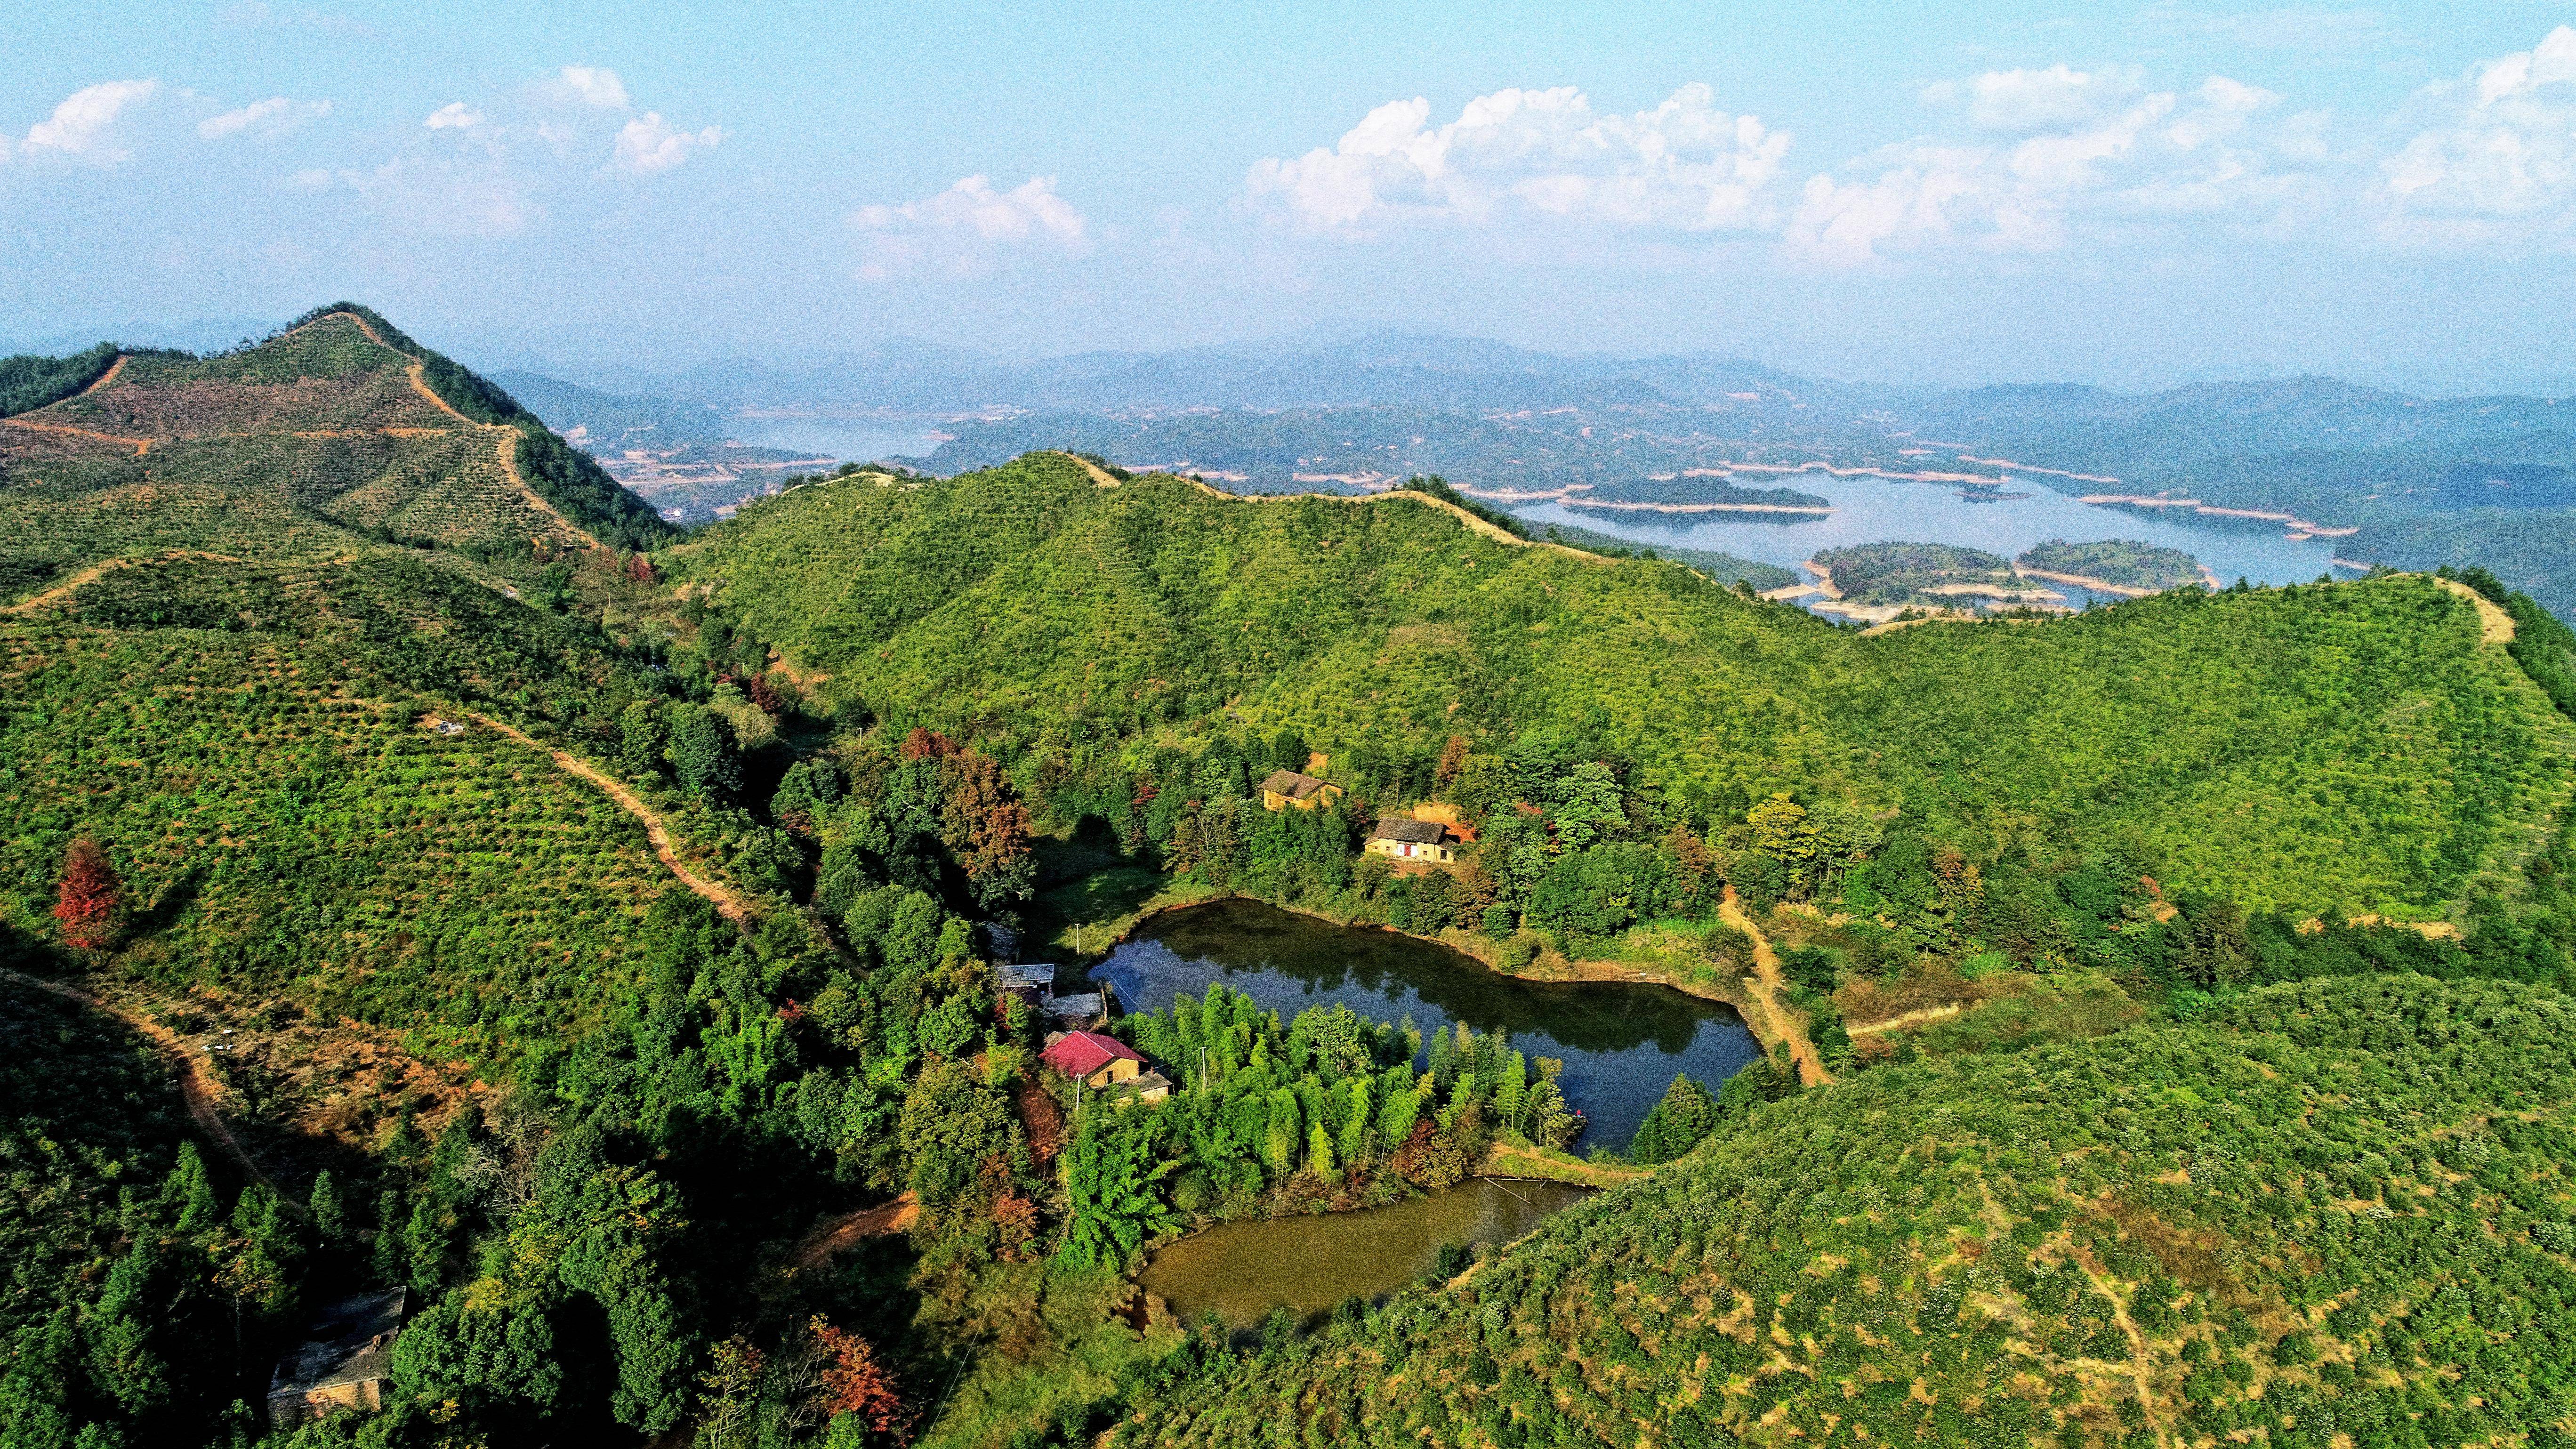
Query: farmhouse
column 1092, row 1059
column 1405, row 839
column 1286, row 787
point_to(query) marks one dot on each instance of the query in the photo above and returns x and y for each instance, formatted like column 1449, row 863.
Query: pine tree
column 193, row 1192
column 330, row 1212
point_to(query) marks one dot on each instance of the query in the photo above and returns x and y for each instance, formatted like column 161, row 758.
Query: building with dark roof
column 1403, row 838
column 344, row 1365
column 1286, row 787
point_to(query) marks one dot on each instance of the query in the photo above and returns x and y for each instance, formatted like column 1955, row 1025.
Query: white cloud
column 596, row 86
column 2089, row 159
column 2035, row 100
column 1684, row 165
column 2493, row 161
column 272, row 117
column 648, row 145
column 84, row 127
column 966, row 225
column 454, row 116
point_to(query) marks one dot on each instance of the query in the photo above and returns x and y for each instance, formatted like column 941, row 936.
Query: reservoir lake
column 1879, row 510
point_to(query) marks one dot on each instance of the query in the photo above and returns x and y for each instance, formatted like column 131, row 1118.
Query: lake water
column 1621, row 1042
column 1242, row 1271
column 1878, row 510
column 843, row 437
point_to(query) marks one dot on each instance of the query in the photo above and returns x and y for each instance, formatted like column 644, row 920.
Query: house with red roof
column 1091, row 1058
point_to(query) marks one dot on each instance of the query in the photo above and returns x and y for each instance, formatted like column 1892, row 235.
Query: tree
column 1111, row 1173
column 1676, row 1124
column 854, row 1382
column 986, row 827
column 330, row 1211
column 92, row 897
column 702, row 754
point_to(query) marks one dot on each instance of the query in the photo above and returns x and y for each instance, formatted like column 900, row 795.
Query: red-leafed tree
column 855, row 1383
column 987, row 828
column 924, row 744
column 91, row 896
column 765, row 694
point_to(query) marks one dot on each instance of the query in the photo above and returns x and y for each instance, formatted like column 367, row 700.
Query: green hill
column 340, row 426
column 2341, row 1216
column 2349, row 747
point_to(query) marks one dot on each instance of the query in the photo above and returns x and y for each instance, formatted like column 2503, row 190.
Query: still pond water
column 1878, row 510
column 1622, row 1043
column 1242, row 1271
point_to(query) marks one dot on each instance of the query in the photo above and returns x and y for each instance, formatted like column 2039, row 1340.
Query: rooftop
column 1414, row 832
column 1294, row 785
column 352, row 1342
column 1080, row 1053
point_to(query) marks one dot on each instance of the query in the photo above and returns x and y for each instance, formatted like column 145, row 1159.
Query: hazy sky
column 1941, row 192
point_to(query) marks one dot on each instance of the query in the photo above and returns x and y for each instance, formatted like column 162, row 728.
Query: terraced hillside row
column 2343, row 1216
column 2353, row 746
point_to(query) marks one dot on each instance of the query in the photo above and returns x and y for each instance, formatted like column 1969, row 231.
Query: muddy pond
column 1622, row 1042
column 1241, row 1271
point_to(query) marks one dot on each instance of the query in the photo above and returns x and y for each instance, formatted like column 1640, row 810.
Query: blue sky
column 2133, row 195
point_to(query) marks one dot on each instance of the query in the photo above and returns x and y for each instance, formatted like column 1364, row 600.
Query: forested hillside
column 2341, row 1214
column 2349, row 747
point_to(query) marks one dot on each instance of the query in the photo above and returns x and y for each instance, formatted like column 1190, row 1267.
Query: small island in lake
column 1892, row 575
column 2118, row 566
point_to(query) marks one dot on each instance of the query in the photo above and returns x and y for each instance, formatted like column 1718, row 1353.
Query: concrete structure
column 1146, row 1087
column 1286, row 787
column 343, row 1366
column 1403, row 839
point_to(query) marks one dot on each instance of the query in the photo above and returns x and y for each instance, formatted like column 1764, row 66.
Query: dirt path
column 1473, row 523
column 1763, row 994
column 734, row 907
column 1503, row 1159
column 838, row 1233
column 508, row 443
column 140, row 446
column 91, row 575
column 198, row 1086
column 1906, row 1018
column 107, row 377
column 2495, row 626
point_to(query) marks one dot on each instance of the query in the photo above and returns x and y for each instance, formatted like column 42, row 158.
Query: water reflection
column 1309, row 1264
column 1621, row 1043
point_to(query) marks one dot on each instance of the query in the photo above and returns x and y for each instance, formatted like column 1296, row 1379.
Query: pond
column 1241, row 1271
column 1878, row 510
column 1621, row 1042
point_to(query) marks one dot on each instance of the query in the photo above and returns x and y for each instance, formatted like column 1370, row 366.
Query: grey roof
column 1076, row 1006
column 1294, row 785
column 352, row 1342
column 1030, row 976
column 1411, row 832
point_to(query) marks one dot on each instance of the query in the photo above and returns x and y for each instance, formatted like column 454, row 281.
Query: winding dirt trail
column 198, row 1086
column 1766, row 984
column 508, row 443
column 734, row 907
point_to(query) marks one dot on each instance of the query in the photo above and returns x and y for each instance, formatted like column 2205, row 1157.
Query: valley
column 666, row 956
